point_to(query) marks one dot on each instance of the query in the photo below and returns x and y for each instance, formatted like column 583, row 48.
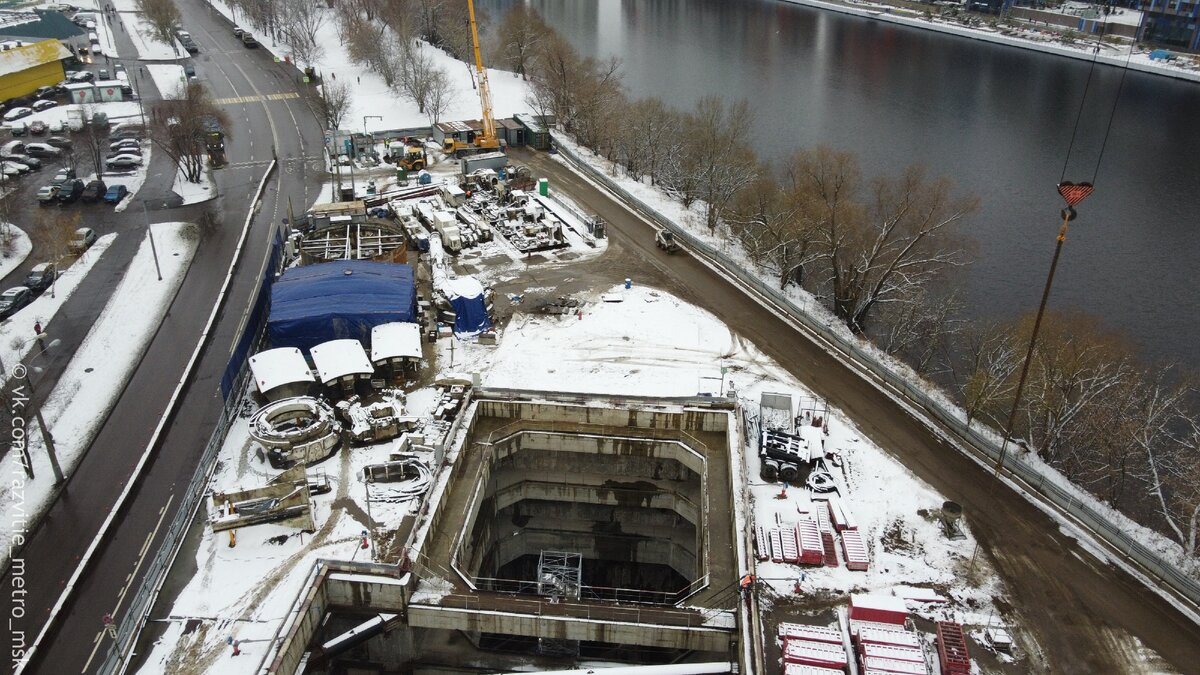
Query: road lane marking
column 256, row 97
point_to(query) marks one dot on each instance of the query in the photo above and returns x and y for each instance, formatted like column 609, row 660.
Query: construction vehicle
column 665, row 240
column 412, row 157
column 486, row 140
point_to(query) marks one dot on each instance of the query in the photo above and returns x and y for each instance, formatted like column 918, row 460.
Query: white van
column 93, row 38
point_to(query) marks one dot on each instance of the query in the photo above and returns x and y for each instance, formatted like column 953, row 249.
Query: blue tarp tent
column 339, row 300
column 470, row 310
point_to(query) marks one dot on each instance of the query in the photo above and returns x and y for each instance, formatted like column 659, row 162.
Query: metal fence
column 232, row 385
column 1068, row 501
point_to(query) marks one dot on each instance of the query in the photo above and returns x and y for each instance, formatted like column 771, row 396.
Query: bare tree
column 717, row 151
column 163, row 16
column 521, row 33
column 991, row 355
column 440, row 96
column 53, row 231
column 299, row 23
column 91, row 143
column 1076, row 367
column 184, row 128
column 881, row 246
column 335, row 103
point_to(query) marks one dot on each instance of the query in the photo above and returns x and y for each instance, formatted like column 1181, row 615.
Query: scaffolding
column 560, row 575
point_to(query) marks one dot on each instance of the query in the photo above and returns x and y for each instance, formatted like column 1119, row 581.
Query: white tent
column 280, row 367
column 337, row 359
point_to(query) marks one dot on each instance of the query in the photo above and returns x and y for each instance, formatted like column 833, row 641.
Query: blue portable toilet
column 424, row 178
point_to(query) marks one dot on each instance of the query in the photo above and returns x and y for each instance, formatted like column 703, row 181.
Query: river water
column 996, row 119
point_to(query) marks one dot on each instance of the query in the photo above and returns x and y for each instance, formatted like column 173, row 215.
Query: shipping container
column 878, row 635
column 952, row 649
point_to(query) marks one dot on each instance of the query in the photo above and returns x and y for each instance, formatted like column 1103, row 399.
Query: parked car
column 237, row 32
column 126, row 130
column 13, row 300
column 58, row 142
column 12, row 148
column 19, row 129
column 47, row 194
column 62, row 176
column 189, row 70
column 17, row 113
column 115, row 193
column 44, row 93
column 32, row 163
column 70, row 191
column 42, row 150
column 94, row 191
column 43, row 104
column 104, row 73
column 60, row 127
column 40, row 277
column 38, row 128
column 123, row 162
column 83, row 240
column 124, row 143
column 248, row 40
column 82, row 76
column 12, row 169
column 100, row 120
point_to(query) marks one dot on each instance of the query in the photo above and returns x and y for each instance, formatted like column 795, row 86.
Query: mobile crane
column 486, row 141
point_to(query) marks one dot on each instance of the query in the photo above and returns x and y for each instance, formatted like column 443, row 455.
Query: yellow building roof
column 22, row 58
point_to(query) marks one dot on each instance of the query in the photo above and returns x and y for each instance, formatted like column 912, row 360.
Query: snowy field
column 99, row 370
column 637, row 340
column 21, row 247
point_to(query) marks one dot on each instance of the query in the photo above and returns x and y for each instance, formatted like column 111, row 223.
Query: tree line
column 882, row 254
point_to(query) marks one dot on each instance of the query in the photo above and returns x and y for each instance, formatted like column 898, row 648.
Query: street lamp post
column 150, row 233
column 22, row 372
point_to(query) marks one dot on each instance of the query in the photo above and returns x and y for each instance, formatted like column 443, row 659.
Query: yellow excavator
column 485, row 141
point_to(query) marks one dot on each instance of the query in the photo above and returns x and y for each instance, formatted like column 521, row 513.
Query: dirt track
column 1079, row 611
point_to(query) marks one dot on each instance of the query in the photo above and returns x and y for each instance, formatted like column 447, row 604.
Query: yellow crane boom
column 485, row 93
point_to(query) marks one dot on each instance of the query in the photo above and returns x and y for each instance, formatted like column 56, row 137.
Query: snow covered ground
column 371, row 96
column 168, row 78
column 149, row 48
column 194, row 193
column 98, row 371
column 117, row 111
column 626, row 340
column 21, row 246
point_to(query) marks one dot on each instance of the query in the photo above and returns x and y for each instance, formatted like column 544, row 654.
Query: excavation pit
column 636, row 494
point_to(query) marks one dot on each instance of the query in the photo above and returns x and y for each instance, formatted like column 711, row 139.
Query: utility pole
column 47, row 436
column 150, row 233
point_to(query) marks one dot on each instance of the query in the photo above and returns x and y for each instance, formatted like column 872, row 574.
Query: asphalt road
column 259, row 129
column 1073, row 604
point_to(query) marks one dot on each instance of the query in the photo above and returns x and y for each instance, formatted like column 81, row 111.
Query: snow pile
column 169, row 79
column 99, row 370
column 21, row 246
column 149, row 47
column 194, row 193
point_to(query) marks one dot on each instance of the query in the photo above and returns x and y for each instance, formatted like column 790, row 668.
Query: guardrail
column 1067, row 501
column 143, row 600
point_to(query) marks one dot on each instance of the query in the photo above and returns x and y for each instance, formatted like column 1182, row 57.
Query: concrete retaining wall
column 571, row 628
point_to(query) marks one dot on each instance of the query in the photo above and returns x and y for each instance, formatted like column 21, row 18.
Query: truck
column 214, row 140
column 665, row 240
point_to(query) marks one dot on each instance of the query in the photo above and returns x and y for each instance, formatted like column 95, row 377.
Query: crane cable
column 1083, row 99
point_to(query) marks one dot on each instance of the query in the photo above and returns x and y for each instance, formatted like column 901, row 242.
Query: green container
column 544, row 187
